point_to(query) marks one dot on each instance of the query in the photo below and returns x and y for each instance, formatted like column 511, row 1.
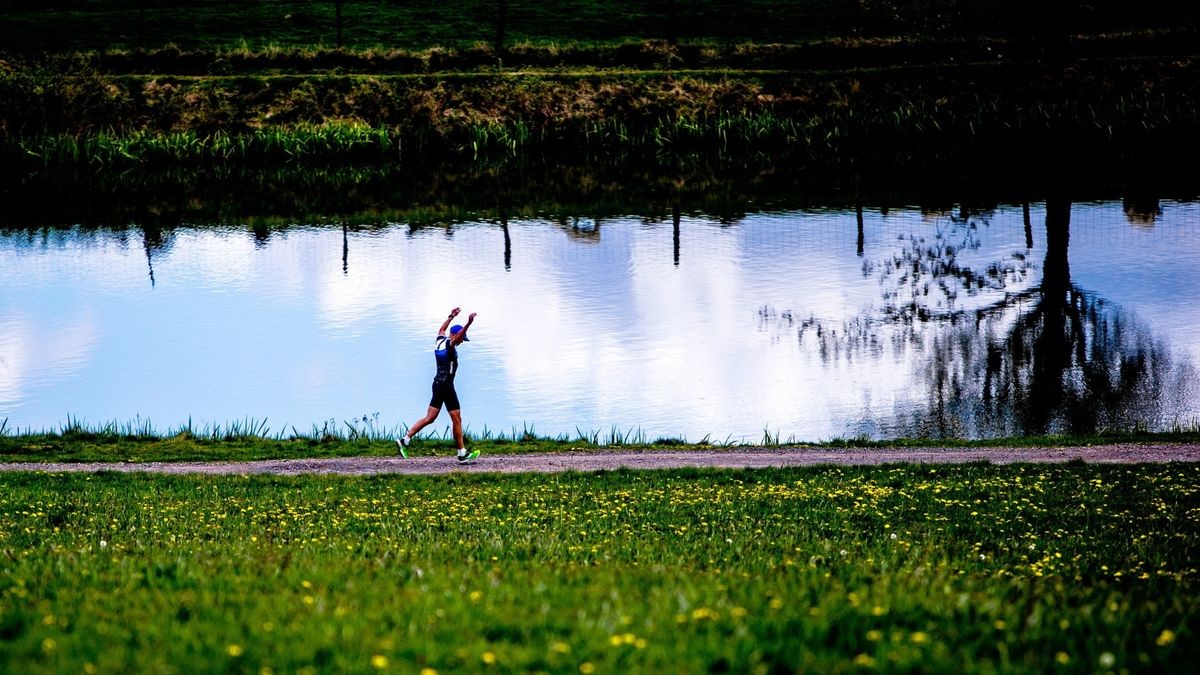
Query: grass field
column 406, row 24
column 1068, row 568
column 253, row 439
column 86, row 122
column 837, row 99
column 98, row 24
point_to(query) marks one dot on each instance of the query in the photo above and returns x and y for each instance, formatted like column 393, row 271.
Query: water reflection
column 1018, row 358
column 1014, row 358
column 970, row 321
column 1062, row 360
column 1143, row 212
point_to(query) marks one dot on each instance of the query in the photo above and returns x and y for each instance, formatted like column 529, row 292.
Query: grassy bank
column 846, row 51
column 833, row 86
column 939, row 569
column 252, row 439
column 81, row 122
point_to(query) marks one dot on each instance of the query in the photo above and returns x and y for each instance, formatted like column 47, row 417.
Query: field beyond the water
column 134, row 103
column 977, row 568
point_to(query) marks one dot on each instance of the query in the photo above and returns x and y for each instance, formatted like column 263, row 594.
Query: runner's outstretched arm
column 446, row 323
column 462, row 334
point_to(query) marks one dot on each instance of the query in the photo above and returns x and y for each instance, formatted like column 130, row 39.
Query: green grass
column 32, row 25
column 415, row 24
column 252, row 439
column 1068, row 568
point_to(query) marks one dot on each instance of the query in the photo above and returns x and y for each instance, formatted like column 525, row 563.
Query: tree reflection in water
column 996, row 353
column 1069, row 362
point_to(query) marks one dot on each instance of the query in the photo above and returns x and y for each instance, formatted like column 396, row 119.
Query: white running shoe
column 403, row 443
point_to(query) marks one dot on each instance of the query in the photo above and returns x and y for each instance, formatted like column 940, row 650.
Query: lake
column 801, row 324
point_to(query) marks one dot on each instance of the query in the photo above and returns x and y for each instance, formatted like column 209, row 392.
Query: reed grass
column 302, row 143
column 813, row 136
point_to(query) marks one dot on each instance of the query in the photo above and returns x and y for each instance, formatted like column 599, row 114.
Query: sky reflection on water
column 773, row 323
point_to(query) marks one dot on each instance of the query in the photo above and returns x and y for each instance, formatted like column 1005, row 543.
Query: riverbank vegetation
column 583, row 139
column 1066, row 568
column 68, row 115
column 815, row 88
column 253, row 439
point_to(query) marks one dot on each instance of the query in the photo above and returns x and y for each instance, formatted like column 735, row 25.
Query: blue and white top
column 447, row 359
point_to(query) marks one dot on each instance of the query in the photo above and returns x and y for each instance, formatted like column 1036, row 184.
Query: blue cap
column 454, row 331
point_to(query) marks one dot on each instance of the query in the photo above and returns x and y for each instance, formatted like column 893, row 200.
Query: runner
column 445, row 352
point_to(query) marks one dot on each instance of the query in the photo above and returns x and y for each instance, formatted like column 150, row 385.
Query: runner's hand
column 454, row 312
column 472, row 316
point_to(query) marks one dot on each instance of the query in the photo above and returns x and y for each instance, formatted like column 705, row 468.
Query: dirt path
column 602, row 460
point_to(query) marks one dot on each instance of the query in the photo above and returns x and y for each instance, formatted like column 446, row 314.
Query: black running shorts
column 443, row 393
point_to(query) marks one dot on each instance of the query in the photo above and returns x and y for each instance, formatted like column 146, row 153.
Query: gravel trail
column 607, row 460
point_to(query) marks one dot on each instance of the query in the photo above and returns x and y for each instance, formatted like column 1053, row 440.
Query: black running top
column 447, row 359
